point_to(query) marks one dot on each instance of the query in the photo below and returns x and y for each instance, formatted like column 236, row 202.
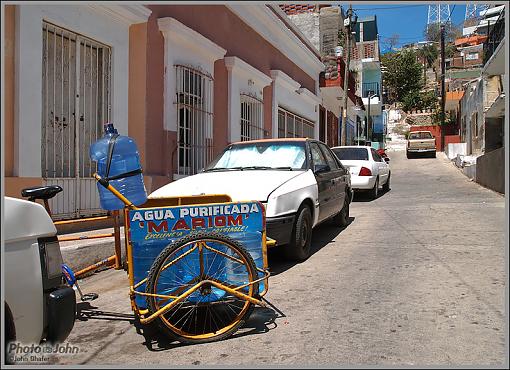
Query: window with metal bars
column 252, row 127
column 194, row 91
column 292, row 125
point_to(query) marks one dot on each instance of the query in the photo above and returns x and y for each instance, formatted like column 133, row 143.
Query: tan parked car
column 421, row 142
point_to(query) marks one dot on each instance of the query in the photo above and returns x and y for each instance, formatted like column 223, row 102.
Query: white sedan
column 368, row 169
column 300, row 182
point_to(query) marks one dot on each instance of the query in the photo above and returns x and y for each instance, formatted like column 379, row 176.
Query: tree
column 432, row 32
column 403, row 74
column 392, row 41
column 428, row 55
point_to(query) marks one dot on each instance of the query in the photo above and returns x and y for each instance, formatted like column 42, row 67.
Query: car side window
column 317, row 156
column 329, row 157
column 376, row 156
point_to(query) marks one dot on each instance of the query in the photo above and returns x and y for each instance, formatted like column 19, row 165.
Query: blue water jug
column 118, row 161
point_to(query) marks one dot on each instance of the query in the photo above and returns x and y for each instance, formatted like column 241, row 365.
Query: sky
column 405, row 19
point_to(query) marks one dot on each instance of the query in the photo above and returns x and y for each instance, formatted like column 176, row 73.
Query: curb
column 82, row 253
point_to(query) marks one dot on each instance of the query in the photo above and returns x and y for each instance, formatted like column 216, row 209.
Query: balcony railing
column 496, row 34
column 370, row 88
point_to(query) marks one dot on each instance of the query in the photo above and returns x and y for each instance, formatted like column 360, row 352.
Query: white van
column 38, row 306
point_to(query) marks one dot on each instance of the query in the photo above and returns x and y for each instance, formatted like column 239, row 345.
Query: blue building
column 366, row 62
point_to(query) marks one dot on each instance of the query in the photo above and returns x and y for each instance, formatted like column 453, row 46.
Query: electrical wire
column 389, row 8
column 449, row 15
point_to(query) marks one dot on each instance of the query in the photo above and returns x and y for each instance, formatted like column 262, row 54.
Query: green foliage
column 450, row 118
column 428, row 54
column 419, row 100
column 402, row 76
column 449, row 50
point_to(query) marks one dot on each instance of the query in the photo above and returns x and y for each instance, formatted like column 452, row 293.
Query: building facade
column 322, row 25
column 181, row 86
column 366, row 62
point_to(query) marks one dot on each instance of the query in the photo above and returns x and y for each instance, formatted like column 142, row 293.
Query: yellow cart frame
column 144, row 315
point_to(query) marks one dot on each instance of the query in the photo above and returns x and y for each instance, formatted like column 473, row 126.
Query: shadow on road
column 85, row 311
column 322, row 236
column 362, row 196
column 261, row 321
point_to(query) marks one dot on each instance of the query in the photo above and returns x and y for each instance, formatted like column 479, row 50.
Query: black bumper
column 61, row 314
column 280, row 228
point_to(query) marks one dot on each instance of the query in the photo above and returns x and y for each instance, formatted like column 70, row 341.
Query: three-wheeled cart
column 197, row 265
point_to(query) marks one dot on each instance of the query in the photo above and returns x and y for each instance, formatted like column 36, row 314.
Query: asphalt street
column 417, row 278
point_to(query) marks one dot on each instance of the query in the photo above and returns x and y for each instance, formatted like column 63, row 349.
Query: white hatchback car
column 368, row 169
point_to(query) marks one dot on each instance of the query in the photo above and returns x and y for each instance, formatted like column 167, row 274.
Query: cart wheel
column 209, row 313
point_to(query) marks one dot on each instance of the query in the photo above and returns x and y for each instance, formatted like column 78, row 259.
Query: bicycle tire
column 200, row 311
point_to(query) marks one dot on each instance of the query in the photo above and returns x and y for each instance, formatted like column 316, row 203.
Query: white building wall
column 288, row 94
column 82, row 19
column 186, row 47
column 242, row 79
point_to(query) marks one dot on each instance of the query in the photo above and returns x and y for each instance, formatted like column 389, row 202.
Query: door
column 338, row 180
column 323, row 177
column 76, row 104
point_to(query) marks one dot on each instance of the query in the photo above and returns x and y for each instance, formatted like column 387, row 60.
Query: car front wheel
column 299, row 247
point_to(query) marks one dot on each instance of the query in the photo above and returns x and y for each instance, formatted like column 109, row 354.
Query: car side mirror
column 320, row 168
column 386, row 159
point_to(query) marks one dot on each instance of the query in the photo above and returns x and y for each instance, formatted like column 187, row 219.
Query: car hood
column 239, row 185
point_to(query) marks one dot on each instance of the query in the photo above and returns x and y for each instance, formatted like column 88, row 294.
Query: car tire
column 10, row 333
column 342, row 218
column 386, row 186
column 408, row 155
column 299, row 247
column 434, row 155
column 374, row 192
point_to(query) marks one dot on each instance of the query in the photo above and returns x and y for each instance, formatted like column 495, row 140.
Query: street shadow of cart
column 261, row 320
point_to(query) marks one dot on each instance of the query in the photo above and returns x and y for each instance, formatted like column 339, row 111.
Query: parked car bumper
column 280, row 228
column 61, row 314
column 362, row 182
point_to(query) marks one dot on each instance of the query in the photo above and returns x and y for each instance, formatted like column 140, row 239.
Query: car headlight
column 53, row 259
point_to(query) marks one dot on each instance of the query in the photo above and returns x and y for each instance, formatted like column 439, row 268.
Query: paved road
column 417, row 278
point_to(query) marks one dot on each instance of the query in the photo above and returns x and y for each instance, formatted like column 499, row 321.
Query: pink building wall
column 158, row 146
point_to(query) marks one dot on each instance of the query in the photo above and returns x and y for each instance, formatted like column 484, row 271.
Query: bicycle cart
column 196, row 265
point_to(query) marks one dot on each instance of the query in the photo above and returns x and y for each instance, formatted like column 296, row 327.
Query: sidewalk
column 82, row 253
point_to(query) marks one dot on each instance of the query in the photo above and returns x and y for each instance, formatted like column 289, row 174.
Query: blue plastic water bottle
column 118, row 161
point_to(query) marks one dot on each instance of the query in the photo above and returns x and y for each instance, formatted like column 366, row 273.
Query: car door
column 338, row 179
column 381, row 165
column 322, row 173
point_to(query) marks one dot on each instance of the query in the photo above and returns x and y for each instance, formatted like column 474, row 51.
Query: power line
column 389, row 8
column 449, row 15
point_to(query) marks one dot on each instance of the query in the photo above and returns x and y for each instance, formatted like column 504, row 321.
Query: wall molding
column 125, row 13
column 270, row 27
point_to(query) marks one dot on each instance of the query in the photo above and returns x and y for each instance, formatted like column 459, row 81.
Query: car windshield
column 351, row 154
column 420, row 135
column 261, row 155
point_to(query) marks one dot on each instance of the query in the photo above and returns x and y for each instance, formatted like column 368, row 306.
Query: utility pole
column 443, row 92
column 348, row 23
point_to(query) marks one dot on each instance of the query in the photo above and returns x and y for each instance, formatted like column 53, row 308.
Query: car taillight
column 365, row 172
